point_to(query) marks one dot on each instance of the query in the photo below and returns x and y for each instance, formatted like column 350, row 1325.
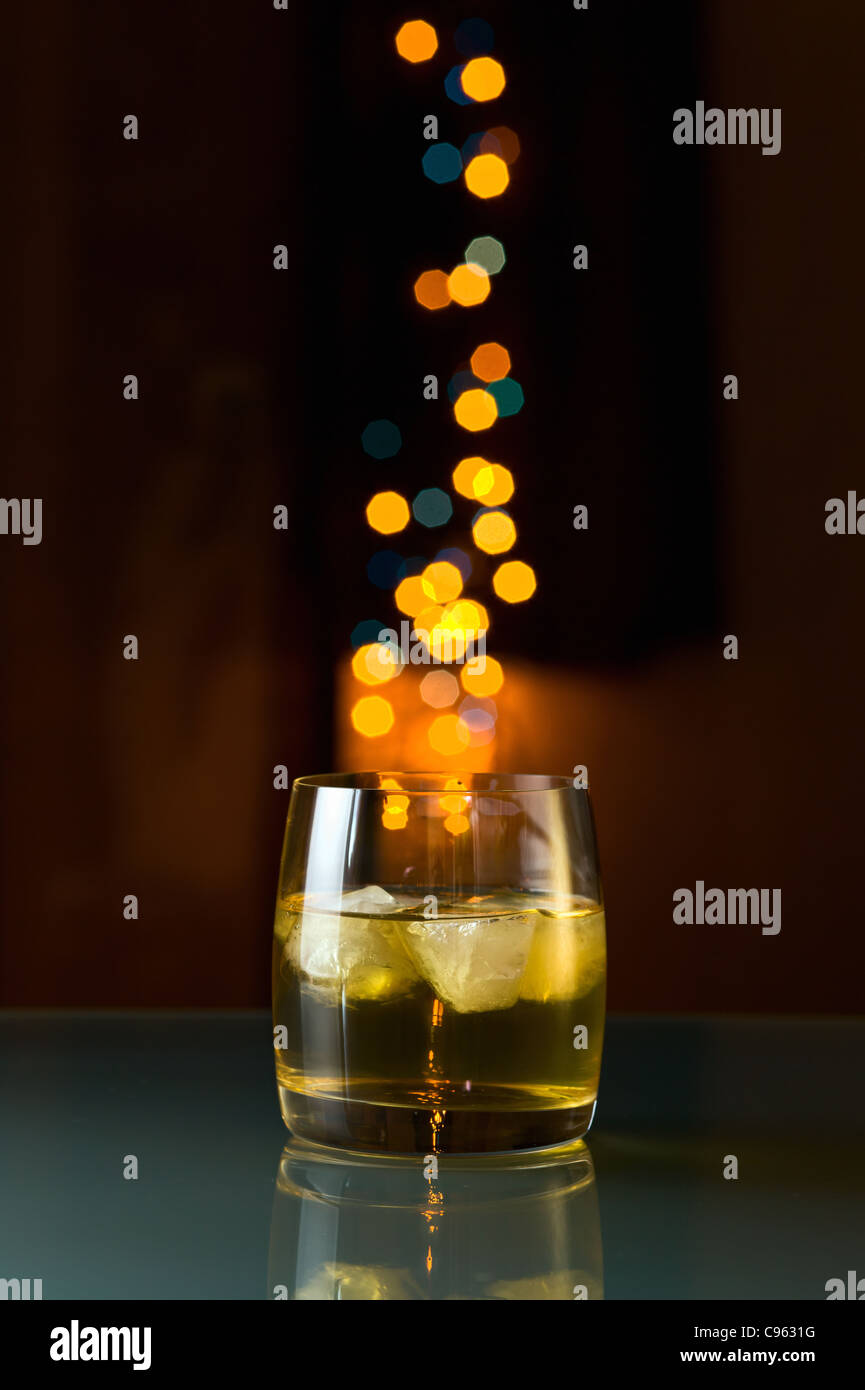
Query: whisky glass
column 439, row 962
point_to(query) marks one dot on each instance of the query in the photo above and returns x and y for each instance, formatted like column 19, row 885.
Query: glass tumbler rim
column 439, row 782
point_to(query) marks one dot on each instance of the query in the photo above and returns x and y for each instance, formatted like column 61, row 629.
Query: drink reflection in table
column 360, row 1227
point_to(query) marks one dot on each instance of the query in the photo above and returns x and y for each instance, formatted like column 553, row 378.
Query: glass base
column 353, row 1124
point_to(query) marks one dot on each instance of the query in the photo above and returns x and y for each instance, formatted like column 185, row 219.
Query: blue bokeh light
column 472, row 146
column 455, row 556
column 432, row 507
column 415, row 564
column 484, row 511
column 474, row 38
column 508, row 396
column 366, row 631
column 442, row 163
column 383, row 568
column 454, row 87
column 381, row 439
column 476, row 719
column 463, row 381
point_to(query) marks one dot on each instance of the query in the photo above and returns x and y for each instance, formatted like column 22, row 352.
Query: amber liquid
column 479, row 1028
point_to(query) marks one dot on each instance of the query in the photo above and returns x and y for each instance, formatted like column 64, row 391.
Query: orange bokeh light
column 410, row 596
column 494, row 532
column 387, row 512
column 372, row 716
column 461, row 624
column 448, row 735
column 514, row 581
column 468, row 284
column 439, row 689
column 447, row 644
column 490, row 362
column 487, row 176
column 482, row 676
column 442, row 581
column 466, row 615
column 454, row 803
column 374, row 664
column 483, row 79
column 465, row 473
column 416, row 41
column 476, row 410
column 426, row 620
column 455, row 824
column 431, row 290
column 393, row 803
column 494, row 485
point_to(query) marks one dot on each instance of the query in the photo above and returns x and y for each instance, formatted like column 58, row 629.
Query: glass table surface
column 142, row 1156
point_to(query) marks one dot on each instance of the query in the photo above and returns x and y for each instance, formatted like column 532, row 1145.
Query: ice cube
column 472, row 964
column 567, row 958
column 558, row 1285
column 364, row 901
column 369, row 1283
column 358, row 957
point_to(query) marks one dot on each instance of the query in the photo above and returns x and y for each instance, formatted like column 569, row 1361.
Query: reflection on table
column 352, row 1226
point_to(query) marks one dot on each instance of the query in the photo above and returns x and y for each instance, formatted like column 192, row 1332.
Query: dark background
column 259, row 127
